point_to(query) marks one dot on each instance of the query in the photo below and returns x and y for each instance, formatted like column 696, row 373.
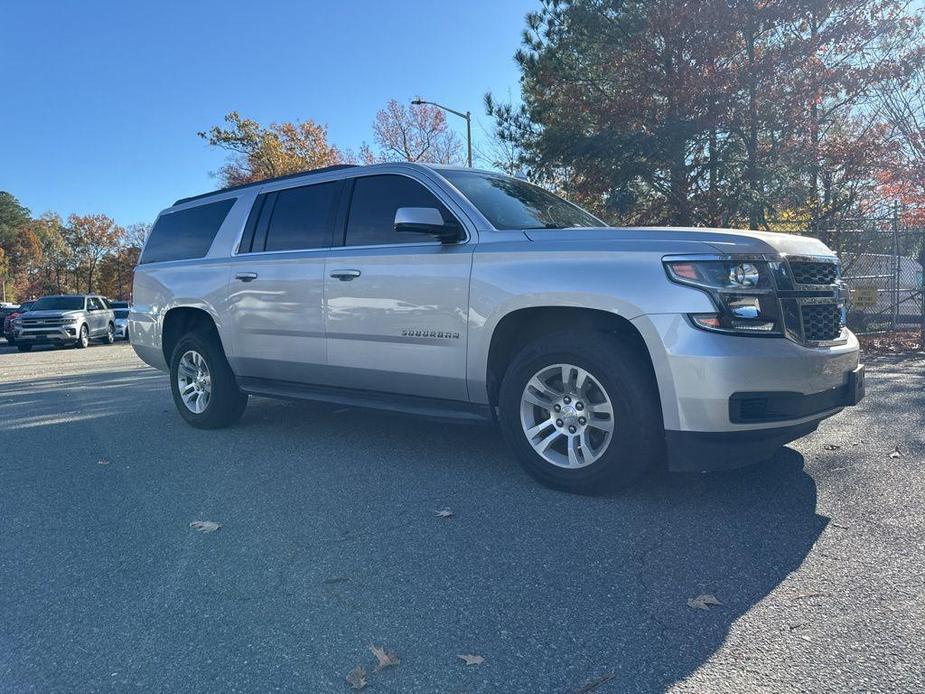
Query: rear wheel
column 110, row 334
column 581, row 411
column 203, row 385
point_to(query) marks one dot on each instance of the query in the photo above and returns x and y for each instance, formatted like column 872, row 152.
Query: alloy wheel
column 567, row 416
column 194, row 381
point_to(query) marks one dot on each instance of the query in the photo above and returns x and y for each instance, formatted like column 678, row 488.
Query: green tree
column 709, row 112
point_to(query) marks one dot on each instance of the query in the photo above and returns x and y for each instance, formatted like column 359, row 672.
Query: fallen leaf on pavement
column 831, row 447
column 896, row 453
column 703, row 602
column 472, row 659
column 356, row 678
column 445, row 513
column 593, row 685
column 839, row 525
column 102, row 461
column 803, row 596
column 385, row 658
column 205, row 526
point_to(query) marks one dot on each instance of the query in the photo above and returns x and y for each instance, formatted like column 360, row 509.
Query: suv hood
column 50, row 314
column 722, row 240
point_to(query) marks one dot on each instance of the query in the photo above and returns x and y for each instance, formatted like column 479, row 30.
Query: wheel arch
column 521, row 326
column 181, row 320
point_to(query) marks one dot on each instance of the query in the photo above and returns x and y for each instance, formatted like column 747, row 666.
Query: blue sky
column 102, row 100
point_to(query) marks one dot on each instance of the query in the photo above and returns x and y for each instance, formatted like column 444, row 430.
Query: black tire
column 83, row 337
column 226, row 403
column 110, row 336
column 11, row 341
column 24, row 348
column 638, row 440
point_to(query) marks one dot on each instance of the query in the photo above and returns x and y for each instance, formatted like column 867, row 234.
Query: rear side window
column 303, row 217
column 185, row 234
column 372, row 209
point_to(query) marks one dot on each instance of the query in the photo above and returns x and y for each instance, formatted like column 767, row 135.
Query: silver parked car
column 120, row 310
column 470, row 294
column 72, row 319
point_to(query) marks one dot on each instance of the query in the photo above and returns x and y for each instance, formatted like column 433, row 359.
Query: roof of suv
column 265, row 180
column 325, row 169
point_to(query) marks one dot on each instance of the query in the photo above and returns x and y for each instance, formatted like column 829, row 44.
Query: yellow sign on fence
column 863, row 297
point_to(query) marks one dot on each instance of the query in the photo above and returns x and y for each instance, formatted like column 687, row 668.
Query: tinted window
column 121, row 313
column 94, row 304
column 509, row 203
column 372, row 209
column 303, row 217
column 59, row 303
column 185, row 234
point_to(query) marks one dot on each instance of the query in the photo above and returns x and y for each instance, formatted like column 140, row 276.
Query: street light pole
column 467, row 115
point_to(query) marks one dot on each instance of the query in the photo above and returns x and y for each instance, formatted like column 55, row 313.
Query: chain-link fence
column 882, row 262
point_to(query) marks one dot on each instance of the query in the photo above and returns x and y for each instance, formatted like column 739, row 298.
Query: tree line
column 51, row 255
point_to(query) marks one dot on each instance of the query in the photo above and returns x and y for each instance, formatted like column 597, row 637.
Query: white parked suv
column 470, row 294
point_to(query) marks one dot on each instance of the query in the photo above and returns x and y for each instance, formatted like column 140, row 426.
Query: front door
column 276, row 284
column 396, row 303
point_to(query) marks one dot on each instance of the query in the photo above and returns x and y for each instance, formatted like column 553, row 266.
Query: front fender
column 626, row 284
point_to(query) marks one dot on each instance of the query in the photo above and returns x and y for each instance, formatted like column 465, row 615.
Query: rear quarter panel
column 197, row 283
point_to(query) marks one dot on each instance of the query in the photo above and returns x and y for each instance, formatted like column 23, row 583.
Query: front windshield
column 509, row 203
column 59, row 303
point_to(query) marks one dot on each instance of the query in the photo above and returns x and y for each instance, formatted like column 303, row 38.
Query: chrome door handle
column 346, row 275
column 246, row 276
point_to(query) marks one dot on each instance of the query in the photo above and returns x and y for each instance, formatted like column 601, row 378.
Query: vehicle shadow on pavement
column 330, row 542
column 558, row 588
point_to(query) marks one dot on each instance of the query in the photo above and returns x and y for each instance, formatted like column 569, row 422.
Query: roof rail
column 323, row 169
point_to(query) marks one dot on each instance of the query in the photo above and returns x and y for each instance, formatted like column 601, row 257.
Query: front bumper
column 62, row 334
column 728, row 400
column 121, row 329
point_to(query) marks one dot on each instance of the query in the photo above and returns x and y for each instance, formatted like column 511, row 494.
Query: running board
column 433, row 408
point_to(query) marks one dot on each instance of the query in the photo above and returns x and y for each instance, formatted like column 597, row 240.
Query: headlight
column 742, row 290
column 17, row 322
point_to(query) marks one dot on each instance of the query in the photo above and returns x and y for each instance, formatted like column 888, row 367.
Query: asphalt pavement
column 330, row 542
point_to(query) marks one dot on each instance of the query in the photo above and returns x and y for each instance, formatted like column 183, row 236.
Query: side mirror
column 426, row 220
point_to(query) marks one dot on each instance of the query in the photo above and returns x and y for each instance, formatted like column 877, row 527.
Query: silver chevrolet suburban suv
column 469, row 294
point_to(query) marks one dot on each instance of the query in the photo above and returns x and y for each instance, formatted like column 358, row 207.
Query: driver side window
column 371, row 221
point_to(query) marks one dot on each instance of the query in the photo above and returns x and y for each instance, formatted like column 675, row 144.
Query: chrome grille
column 821, row 322
column 36, row 322
column 812, row 272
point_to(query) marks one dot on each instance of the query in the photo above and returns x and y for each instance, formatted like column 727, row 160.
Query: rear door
column 396, row 303
column 277, row 283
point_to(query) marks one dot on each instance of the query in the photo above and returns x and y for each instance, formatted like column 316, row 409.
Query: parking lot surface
column 330, row 543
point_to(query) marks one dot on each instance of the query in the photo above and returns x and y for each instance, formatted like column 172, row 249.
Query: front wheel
column 110, row 334
column 83, row 337
column 581, row 411
column 203, row 385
